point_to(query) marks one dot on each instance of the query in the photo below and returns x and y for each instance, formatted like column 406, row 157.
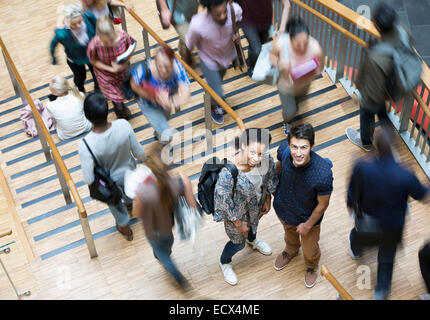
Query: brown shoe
column 311, row 277
column 282, row 260
column 126, row 232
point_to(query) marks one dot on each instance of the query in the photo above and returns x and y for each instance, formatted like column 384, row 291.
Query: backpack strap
column 92, row 154
column 234, row 172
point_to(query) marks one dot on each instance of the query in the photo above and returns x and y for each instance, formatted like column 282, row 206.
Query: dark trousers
column 256, row 38
column 424, row 258
column 367, row 120
column 231, row 249
column 80, row 74
column 386, row 253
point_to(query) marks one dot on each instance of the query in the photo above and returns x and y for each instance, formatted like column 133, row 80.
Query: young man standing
column 211, row 32
column 303, row 195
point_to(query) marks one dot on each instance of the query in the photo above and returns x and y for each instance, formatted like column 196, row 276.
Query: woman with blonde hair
column 102, row 8
column 102, row 51
column 155, row 202
column 67, row 109
column 77, row 31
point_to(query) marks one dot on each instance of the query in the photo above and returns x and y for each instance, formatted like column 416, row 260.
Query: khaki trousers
column 309, row 243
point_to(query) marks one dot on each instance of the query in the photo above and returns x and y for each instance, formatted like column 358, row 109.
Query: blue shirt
column 140, row 74
column 299, row 187
column 385, row 190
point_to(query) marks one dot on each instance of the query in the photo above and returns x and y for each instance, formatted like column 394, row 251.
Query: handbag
column 239, row 61
column 115, row 14
column 264, row 72
column 172, row 20
column 187, row 219
column 103, row 188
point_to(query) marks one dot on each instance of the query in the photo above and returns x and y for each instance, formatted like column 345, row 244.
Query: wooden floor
column 61, row 268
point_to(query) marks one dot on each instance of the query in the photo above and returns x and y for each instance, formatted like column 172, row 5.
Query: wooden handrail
column 367, row 26
column 327, row 274
column 193, row 74
column 330, row 22
column 44, row 131
column 5, row 233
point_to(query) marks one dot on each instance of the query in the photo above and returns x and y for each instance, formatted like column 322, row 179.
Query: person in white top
column 67, row 109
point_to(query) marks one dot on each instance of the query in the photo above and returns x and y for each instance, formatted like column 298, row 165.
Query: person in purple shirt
column 212, row 33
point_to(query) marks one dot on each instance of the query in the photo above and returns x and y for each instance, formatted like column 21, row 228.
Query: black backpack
column 208, row 179
column 103, row 188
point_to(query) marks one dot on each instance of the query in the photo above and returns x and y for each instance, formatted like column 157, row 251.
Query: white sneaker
column 229, row 275
column 261, row 246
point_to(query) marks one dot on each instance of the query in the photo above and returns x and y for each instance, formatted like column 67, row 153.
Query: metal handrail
column 193, row 74
column 62, row 170
column 340, row 289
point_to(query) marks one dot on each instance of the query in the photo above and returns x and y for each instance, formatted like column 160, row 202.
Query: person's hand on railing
column 236, row 38
column 128, row 7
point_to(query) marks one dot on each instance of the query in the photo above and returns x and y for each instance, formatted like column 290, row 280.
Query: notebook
column 123, row 57
column 304, row 69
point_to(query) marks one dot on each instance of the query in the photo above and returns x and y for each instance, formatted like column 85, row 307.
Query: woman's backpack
column 208, row 180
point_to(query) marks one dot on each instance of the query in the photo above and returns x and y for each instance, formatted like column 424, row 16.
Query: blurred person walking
column 302, row 197
column 179, row 13
column 424, row 260
column 211, row 31
column 155, row 201
column 379, row 190
column 103, row 8
column 294, row 48
column 115, row 147
column 376, row 78
column 103, row 51
column 162, row 85
column 256, row 22
column 241, row 204
column 79, row 29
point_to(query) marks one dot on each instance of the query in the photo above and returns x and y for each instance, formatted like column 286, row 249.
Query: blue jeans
column 231, row 249
column 256, row 38
column 157, row 118
column 386, row 254
column 162, row 246
column 119, row 211
column 367, row 120
column 214, row 80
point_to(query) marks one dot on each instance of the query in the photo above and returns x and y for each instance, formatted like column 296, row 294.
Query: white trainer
column 261, row 246
column 228, row 272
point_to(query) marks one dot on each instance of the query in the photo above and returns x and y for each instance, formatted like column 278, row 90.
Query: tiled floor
column 415, row 14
